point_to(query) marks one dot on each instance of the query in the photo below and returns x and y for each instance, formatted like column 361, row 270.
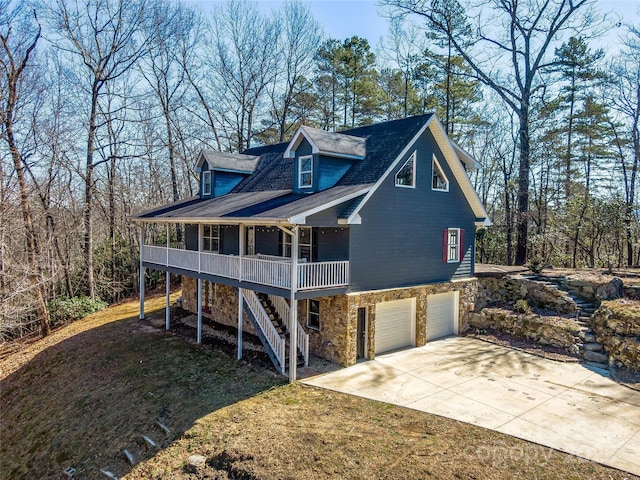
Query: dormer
column 220, row 172
column 321, row 158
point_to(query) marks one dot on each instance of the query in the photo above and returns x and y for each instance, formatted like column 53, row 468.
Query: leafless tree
column 243, row 63
column 105, row 36
column 509, row 49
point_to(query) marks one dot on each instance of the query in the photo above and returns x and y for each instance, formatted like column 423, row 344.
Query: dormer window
column 406, row 176
column 206, row 182
column 439, row 181
column 305, row 171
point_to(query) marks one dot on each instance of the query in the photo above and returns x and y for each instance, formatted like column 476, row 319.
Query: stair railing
column 283, row 309
column 275, row 341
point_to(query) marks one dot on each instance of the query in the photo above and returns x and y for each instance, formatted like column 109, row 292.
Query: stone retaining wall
column 545, row 330
column 511, row 288
column 617, row 326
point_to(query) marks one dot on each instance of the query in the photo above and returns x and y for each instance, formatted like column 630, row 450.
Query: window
column 206, row 182
column 453, row 245
column 211, row 238
column 313, row 314
column 439, row 182
column 305, row 171
column 406, row 176
column 304, row 244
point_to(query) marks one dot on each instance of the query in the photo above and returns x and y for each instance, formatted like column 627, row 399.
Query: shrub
column 63, row 310
column 536, row 265
column 522, row 306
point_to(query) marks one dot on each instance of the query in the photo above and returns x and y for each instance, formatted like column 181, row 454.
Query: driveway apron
column 566, row 406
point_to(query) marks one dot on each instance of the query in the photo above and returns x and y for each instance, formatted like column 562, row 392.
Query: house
column 382, row 221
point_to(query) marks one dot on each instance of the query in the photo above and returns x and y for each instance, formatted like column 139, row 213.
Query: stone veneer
column 223, row 308
column 336, row 338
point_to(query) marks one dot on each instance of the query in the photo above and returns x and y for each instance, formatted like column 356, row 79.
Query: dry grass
column 90, row 390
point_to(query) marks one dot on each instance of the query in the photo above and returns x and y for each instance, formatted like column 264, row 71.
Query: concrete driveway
column 565, row 406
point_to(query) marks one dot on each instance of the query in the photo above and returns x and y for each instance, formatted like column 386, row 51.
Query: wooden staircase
column 281, row 326
column 272, row 329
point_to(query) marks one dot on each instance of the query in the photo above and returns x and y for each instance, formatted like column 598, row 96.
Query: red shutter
column 461, row 239
column 445, row 245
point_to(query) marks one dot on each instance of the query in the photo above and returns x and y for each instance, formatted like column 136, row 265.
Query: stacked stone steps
column 592, row 350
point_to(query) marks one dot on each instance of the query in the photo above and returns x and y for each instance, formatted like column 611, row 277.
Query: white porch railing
column 263, row 269
column 282, row 307
column 275, row 341
column 328, row 274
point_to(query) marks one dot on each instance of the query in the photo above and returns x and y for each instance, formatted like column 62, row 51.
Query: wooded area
column 105, row 103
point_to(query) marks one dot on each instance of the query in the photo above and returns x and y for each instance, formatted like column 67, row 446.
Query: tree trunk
column 88, row 196
column 523, row 184
column 35, row 272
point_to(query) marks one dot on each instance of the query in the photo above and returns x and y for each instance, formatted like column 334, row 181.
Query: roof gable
column 328, row 143
column 227, row 162
column 455, row 164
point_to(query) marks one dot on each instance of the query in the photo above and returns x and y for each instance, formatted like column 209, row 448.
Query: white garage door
column 395, row 324
column 442, row 315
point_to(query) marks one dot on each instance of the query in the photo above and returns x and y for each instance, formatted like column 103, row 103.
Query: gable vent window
column 440, row 182
column 453, row 245
column 206, row 182
column 406, row 176
column 305, row 171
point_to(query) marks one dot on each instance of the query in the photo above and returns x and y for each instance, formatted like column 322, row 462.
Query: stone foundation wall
column 617, row 326
column 511, row 288
column 223, row 307
column 336, row 340
column 545, row 330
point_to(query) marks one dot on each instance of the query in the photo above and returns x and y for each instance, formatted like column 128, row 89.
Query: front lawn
column 92, row 389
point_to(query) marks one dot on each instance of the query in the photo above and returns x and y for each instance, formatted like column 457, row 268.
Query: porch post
column 167, row 312
column 141, row 315
column 241, row 235
column 293, row 311
column 240, row 302
column 199, row 335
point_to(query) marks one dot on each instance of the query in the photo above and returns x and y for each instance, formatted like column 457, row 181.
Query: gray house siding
column 330, row 170
column 400, row 240
column 191, row 236
column 229, row 239
column 224, row 182
column 267, row 240
column 332, row 244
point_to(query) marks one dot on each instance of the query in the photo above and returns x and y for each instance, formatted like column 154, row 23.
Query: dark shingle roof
column 267, row 192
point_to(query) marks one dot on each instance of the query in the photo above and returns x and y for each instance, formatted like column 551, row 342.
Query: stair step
column 593, row 346
column 589, row 338
column 598, row 365
column 597, row 357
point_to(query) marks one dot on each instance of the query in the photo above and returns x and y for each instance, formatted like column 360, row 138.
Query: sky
column 342, row 19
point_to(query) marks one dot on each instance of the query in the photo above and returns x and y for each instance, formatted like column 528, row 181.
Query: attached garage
column 395, row 325
column 442, row 315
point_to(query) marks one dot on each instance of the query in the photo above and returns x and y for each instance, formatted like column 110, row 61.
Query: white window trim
column 436, row 165
column 412, row 159
column 211, row 237
column 309, row 300
column 206, row 179
column 457, row 245
column 300, row 171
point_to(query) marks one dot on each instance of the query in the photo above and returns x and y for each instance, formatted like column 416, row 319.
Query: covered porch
column 255, row 277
